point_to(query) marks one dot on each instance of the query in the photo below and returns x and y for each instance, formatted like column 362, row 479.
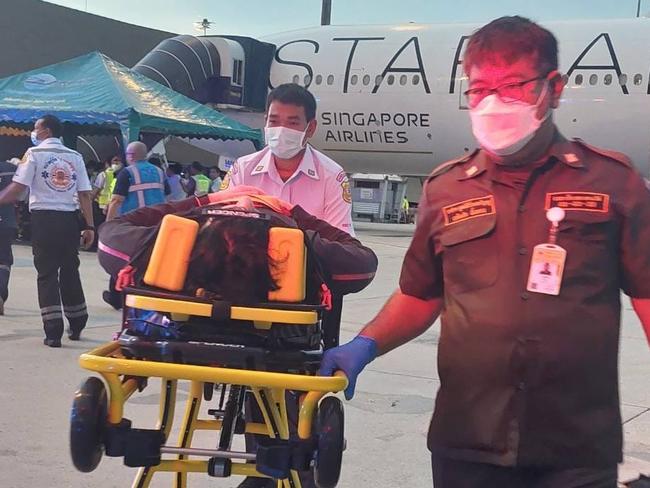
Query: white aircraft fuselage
column 390, row 98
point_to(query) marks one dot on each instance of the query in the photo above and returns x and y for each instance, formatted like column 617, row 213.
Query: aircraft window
column 638, row 78
column 366, row 79
column 296, row 79
column 416, row 79
column 378, row 80
column 330, row 79
column 608, row 79
column 391, row 79
column 402, row 80
column 593, row 79
column 354, row 79
column 578, row 80
column 307, row 80
column 622, row 79
column 319, row 79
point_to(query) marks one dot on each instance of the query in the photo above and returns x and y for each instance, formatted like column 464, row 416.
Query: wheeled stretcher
column 248, row 355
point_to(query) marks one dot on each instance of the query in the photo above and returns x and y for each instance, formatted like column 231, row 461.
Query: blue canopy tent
column 92, row 94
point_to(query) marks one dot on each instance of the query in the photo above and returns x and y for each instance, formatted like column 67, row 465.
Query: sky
column 256, row 18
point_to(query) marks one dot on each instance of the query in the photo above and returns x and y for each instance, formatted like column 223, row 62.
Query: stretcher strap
column 221, row 310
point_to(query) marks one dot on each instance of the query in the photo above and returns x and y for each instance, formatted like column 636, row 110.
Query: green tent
column 93, row 94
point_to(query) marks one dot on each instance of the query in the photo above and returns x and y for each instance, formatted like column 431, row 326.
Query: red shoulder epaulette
column 615, row 155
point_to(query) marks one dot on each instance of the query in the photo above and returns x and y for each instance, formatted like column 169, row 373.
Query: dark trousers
column 55, row 243
column 331, row 328
column 98, row 218
column 253, row 413
column 7, row 235
column 450, row 473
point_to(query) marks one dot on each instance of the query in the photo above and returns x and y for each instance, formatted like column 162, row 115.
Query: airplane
column 390, row 97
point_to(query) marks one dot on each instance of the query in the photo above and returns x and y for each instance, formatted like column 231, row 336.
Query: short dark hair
column 156, row 162
column 512, row 38
column 230, row 260
column 53, row 123
column 197, row 166
column 293, row 94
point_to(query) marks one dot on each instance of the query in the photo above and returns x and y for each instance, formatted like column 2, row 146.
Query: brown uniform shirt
column 527, row 378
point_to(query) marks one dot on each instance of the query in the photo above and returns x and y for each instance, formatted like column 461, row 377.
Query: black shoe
column 52, row 342
column 74, row 336
column 112, row 300
column 252, row 482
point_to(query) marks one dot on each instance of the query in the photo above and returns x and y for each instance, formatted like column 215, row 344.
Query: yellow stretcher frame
column 120, row 375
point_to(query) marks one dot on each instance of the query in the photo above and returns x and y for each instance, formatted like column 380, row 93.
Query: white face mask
column 284, row 143
column 116, row 166
column 35, row 140
column 505, row 128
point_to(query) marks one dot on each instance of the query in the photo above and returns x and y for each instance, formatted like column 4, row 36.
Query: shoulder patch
column 445, row 167
column 225, row 183
column 615, row 155
column 346, row 193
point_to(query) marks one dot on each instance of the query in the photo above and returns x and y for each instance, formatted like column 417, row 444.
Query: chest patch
column 469, row 209
column 578, row 200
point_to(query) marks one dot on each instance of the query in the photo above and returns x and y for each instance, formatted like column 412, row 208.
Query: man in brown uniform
column 527, row 360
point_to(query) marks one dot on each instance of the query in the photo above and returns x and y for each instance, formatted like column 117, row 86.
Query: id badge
column 546, row 269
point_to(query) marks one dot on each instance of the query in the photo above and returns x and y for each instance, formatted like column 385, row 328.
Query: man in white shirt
column 292, row 170
column 289, row 168
column 55, row 175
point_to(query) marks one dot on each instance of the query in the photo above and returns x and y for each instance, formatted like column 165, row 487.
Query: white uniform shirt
column 319, row 185
column 54, row 175
column 100, row 179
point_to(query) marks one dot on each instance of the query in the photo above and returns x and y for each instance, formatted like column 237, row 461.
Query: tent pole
column 130, row 128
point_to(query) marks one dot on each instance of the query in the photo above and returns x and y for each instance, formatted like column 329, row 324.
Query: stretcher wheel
column 330, row 442
column 87, row 422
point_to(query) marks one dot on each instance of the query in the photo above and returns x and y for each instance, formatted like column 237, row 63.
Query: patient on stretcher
column 239, row 247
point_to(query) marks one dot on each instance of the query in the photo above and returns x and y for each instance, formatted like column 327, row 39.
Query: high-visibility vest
column 106, row 193
column 146, row 186
column 405, row 205
column 202, row 185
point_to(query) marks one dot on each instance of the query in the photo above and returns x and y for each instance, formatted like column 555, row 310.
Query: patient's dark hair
column 230, row 260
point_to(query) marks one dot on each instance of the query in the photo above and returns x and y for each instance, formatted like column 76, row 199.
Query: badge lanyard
column 547, row 263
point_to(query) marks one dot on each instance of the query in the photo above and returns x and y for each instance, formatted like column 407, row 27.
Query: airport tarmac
column 386, row 422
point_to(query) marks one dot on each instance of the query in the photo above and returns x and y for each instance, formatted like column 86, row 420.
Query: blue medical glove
column 350, row 358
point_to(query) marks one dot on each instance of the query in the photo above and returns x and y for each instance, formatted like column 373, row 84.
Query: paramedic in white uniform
column 289, row 168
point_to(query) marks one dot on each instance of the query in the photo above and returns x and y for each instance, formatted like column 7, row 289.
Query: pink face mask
column 505, row 128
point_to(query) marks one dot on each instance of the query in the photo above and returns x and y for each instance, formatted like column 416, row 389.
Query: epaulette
column 615, row 155
column 445, row 167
